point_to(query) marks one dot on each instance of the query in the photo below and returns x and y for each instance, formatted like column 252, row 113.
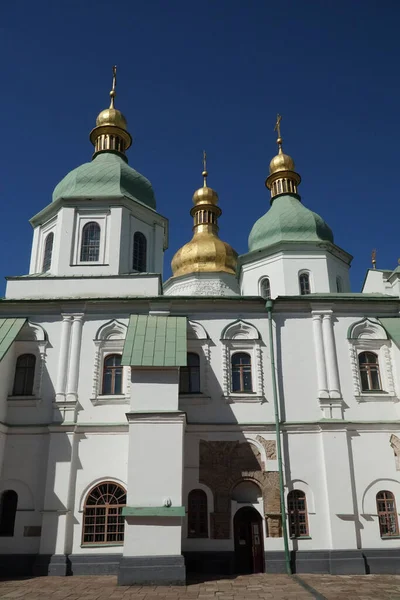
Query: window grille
column 112, row 375
column 197, row 514
column 241, row 372
column 103, row 522
column 304, row 281
column 24, row 375
column 297, row 513
column 48, row 251
column 265, row 288
column 369, row 371
column 387, row 515
column 139, row 262
column 90, row 247
column 189, row 376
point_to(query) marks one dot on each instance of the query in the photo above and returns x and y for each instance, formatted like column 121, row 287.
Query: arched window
column 139, row 262
column 103, row 522
column 265, row 288
column 48, row 251
column 197, row 514
column 8, row 511
column 304, row 282
column 339, row 286
column 297, row 513
column 90, row 247
column 386, row 506
column 24, row 375
column 189, row 376
column 112, row 375
column 369, row 371
column 241, row 372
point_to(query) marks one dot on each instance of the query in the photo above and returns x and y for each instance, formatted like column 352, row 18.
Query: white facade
column 190, row 453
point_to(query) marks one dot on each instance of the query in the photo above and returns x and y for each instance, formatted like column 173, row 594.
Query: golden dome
column 205, row 253
column 281, row 162
column 111, row 116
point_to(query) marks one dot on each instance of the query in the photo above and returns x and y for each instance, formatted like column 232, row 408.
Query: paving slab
column 246, row 587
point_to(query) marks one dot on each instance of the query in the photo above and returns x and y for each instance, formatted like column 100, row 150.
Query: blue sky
column 213, row 75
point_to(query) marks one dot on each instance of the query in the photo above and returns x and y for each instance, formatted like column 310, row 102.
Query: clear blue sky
column 213, row 75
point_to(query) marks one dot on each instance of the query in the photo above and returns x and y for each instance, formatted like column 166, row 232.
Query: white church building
column 242, row 416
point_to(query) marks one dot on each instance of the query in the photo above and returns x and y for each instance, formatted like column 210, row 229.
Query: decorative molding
column 200, row 287
column 355, row 369
column 196, row 331
column 109, row 339
column 395, row 443
column 367, row 329
column 240, row 330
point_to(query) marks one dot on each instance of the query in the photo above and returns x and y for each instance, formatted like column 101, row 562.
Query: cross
column 204, row 160
column 373, row 259
column 277, row 127
column 114, row 82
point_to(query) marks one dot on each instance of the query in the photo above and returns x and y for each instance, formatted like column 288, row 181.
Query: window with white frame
column 371, row 361
column 111, row 381
column 139, row 258
column 193, row 379
column 243, row 377
column 48, row 252
column 265, row 288
column 91, row 238
column 304, row 283
column 29, row 349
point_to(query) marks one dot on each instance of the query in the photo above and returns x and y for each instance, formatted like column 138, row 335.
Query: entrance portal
column 249, row 553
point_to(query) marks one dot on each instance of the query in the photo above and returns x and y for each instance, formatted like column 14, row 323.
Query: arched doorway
column 248, row 532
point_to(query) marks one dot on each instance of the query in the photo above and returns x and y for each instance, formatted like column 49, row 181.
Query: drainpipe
column 269, row 305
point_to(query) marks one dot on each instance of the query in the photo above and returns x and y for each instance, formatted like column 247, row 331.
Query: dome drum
column 110, row 137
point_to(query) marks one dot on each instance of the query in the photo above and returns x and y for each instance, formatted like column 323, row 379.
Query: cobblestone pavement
column 248, row 587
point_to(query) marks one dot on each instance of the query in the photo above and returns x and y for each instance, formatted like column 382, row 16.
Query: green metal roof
column 107, row 176
column 155, row 341
column 288, row 220
column 9, row 329
column 392, row 326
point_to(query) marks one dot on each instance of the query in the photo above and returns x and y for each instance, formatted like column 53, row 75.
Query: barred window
column 241, row 372
column 304, row 282
column 24, row 375
column 265, row 288
column 297, row 512
column 197, row 514
column 48, row 251
column 139, row 262
column 103, row 522
column 90, row 247
column 189, row 376
column 8, row 511
column 112, row 375
column 387, row 515
column 369, row 371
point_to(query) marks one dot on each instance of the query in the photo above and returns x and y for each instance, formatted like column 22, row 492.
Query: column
column 63, row 357
column 154, row 512
column 341, row 515
column 75, row 353
column 320, row 356
column 330, row 355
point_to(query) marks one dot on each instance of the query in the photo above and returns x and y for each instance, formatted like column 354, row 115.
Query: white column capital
column 66, row 317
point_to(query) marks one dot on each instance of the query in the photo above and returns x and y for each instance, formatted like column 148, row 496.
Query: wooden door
column 249, row 554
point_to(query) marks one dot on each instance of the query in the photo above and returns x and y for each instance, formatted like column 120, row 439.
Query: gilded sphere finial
column 205, row 173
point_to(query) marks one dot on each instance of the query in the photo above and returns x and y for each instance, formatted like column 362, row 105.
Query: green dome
column 288, row 221
column 107, row 176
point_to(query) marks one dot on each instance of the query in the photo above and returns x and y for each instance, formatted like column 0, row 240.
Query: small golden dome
column 205, row 194
column 281, row 162
column 112, row 116
column 205, row 253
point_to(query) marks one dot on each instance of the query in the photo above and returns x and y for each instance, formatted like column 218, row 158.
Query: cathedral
column 240, row 417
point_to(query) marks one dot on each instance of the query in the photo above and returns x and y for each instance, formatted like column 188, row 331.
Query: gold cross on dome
column 277, row 127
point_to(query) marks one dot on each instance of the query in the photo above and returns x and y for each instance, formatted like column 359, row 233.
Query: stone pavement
column 246, row 587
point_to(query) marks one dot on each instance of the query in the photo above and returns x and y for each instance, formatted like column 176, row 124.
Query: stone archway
column 223, row 465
